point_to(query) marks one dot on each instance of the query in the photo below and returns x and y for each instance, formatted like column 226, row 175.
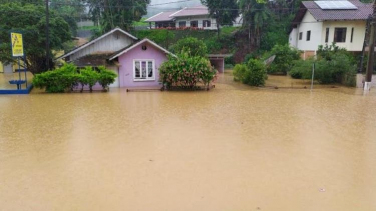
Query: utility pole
column 371, row 51
column 47, row 37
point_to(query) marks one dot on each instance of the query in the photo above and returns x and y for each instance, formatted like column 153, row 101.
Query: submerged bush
column 284, row 60
column 334, row 67
column 253, row 73
column 302, row 69
column 106, row 78
column 187, row 71
column 67, row 77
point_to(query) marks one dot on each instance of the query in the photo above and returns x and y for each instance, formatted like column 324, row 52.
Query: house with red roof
column 324, row 22
column 189, row 17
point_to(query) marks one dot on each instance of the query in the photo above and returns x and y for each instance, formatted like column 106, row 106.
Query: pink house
column 136, row 62
column 139, row 64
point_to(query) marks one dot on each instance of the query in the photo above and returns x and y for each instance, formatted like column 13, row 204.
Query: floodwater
column 234, row 148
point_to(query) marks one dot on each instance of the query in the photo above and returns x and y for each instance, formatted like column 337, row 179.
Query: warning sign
column 17, row 44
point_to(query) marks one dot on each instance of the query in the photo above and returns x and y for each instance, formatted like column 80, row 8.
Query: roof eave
column 95, row 40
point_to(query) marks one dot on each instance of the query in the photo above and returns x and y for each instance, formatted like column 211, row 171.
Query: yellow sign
column 17, row 44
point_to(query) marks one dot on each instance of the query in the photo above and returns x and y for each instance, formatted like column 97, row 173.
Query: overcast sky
column 152, row 10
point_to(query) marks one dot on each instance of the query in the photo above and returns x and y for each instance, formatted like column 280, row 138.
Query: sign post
column 18, row 51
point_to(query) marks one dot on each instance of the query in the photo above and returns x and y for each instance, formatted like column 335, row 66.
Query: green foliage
column 302, row 69
column 90, row 78
column 224, row 11
column 187, row 71
column 106, row 78
column 70, row 13
column 284, row 60
column 163, row 37
column 29, row 19
column 253, row 73
column 58, row 81
column 192, row 45
column 67, row 78
column 339, row 69
column 117, row 13
column 327, row 52
column 334, row 67
column 239, row 72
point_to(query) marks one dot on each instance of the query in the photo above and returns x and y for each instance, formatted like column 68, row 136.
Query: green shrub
column 186, row 71
column 239, row 72
column 253, row 73
column 66, row 78
column 106, row 78
column 57, row 81
column 302, row 69
column 194, row 46
column 256, row 75
column 339, row 69
column 89, row 78
column 284, row 60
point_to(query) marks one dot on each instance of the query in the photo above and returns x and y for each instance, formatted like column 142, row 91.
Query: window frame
column 300, row 35
column 194, row 26
column 147, row 77
column 180, row 23
column 206, row 23
column 327, row 35
column 335, row 40
column 308, row 35
column 352, row 35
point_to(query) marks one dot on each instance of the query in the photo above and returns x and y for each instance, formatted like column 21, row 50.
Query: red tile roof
column 192, row 11
column 163, row 16
column 187, row 11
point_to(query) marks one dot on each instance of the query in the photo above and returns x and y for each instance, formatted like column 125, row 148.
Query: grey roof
column 362, row 13
column 163, row 16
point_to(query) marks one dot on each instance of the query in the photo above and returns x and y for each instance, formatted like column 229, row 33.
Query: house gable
column 108, row 43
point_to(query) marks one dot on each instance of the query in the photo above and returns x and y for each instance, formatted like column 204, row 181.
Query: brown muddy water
column 231, row 149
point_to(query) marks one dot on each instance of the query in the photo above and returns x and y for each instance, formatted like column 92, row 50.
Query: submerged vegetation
column 333, row 65
column 253, row 73
column 68, row 78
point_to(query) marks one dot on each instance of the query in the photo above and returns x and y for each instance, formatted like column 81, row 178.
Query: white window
column 143, row 70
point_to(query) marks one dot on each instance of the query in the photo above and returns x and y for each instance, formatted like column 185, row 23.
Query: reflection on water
column 233, row 148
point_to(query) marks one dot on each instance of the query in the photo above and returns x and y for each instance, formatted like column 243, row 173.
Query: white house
column 188, row 17
column 324, row 22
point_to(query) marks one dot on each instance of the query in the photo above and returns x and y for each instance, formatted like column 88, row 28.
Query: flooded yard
column 234, row 148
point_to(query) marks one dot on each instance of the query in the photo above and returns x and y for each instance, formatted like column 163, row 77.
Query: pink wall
column 126, row 65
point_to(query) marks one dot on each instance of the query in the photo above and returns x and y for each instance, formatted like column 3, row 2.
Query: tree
column 224, row 11
column 30, row 20
column 194, row 46
column 117, row 13
column 70, row 10
column 255, row 15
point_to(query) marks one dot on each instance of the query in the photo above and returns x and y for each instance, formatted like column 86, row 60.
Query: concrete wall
column 200, row 20
column 293, row 38
column 309, row 23
column 318, row 34
column 360, row 78
column 358, row 36
column 126, row 77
